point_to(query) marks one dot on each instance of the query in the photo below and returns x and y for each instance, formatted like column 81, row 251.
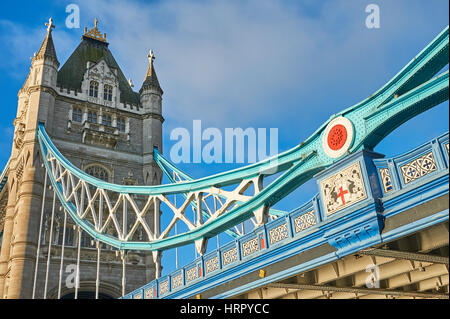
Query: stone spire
column 151, row 80
column 47, row 49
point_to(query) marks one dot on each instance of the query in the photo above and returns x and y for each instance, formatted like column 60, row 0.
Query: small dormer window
column 121, row 124
column 77, row 115
column 106, row 120
column 92, row 117
column 93, row 89
column 107, row 94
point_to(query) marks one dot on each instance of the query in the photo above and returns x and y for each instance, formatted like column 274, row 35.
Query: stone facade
column 101, row 125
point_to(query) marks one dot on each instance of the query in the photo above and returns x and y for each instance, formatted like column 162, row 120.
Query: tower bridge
column 83, row 187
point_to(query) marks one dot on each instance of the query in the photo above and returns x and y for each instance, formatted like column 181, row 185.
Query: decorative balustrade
column 311, row 220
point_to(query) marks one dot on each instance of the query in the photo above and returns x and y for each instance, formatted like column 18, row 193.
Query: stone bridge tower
column 102, row 126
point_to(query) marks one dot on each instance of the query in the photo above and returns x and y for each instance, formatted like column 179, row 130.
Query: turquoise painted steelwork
column 164, row 164
column 167, row 165
column 412, row 91
column 422, row 190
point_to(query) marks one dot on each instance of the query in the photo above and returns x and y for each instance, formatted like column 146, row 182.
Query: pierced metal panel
column 418, row 168
column 229, row 256
column 304, row 221
column 138, row 296
column 278, row 233
column 149, row 293
column 191, row 274
column 177, row 281
column 164, row 287
column 211, row 265
column 249, row 247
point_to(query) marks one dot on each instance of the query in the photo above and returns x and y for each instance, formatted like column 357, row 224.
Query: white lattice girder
column 93, row 203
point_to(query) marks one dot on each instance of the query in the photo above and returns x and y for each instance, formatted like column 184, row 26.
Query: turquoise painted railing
column 308, row 224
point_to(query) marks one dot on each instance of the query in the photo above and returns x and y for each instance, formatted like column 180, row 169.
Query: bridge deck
column 399, row 237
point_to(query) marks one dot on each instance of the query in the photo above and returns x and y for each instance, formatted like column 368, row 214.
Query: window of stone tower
column 77, row 115
column 121, row 124
column 92, row 117
column 106, row 120
column 98, row 172
column 93, row 89
column 85, row 240
column 69, row 236
column 107, row 92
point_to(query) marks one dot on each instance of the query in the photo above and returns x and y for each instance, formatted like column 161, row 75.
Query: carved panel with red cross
column 343, row 189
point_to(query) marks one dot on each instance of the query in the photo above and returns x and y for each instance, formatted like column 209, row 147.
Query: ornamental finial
column 94, row 33
column 151, row 57
column 50, row 25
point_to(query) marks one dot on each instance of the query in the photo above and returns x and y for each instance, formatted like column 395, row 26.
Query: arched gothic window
column 121, row 124
column 107, row 92
column 98, row 172
column 93, row 89
column 106, row 120
column 92, row 117
column 77, row 114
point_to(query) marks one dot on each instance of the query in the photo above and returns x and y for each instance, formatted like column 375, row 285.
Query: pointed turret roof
column 151, row 80
column 47, row 48
column 93, row 48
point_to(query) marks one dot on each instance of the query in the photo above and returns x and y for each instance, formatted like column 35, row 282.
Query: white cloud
column 243, row 62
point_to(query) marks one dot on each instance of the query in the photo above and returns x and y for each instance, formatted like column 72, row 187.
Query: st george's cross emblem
column 343, row 189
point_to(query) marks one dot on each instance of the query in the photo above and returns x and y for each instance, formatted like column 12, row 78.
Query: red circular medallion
column 337, row 137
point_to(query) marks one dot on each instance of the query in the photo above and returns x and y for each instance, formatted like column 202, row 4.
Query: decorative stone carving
column 19, row 135
column 343, row 189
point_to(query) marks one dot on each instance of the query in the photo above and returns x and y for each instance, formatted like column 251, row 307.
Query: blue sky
column 261, row 64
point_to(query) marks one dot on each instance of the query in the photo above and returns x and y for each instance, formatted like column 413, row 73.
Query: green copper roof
column 71, row 73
